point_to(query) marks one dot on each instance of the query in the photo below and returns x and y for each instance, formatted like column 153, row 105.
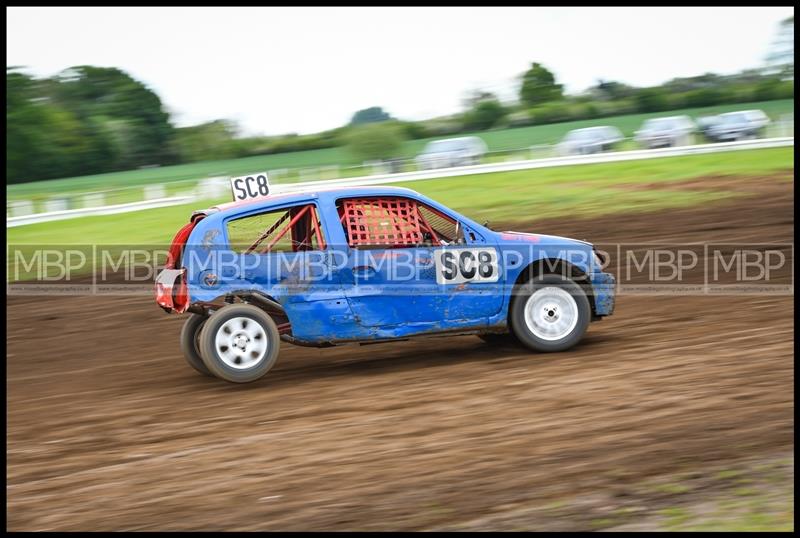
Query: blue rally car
column 365, row 265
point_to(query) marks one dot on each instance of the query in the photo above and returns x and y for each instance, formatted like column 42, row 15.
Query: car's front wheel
column 550, row 313
column 239, row 343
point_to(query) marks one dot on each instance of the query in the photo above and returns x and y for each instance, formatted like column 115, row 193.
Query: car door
column 406, row 267
column 388, row 277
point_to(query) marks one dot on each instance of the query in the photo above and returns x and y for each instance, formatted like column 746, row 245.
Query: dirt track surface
column 109, row 429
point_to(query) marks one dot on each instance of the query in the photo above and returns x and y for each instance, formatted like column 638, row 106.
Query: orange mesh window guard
column 394, row 222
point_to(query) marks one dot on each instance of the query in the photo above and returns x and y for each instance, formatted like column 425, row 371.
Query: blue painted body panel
column 328, row 297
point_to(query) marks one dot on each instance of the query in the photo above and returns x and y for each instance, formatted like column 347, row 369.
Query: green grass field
column 500, row 140
column 524, row 195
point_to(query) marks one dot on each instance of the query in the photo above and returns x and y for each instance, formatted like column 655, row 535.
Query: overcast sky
column 280, row 70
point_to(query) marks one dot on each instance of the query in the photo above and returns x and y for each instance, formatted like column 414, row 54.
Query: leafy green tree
column 43, row 140
column 476, row 96
column 122, row 110
column 372, row 114
column 651, row 100
column 770, row 88
column 551, row 113
column 700, row 82
column 376, row 141
column 214, row 140
column 85, row 120
column 414, row 129
column 609, row 90
column 485, row 114
column 22, row 119
column 539, row 86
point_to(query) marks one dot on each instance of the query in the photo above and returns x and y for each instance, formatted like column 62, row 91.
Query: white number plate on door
column 459, row 265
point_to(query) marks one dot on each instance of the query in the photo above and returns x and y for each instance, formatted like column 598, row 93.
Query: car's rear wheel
column 239, row 343
column 190, row 343
column 550, row 313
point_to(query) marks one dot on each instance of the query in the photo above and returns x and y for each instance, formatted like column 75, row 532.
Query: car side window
column 292, row 229
column 395, row 222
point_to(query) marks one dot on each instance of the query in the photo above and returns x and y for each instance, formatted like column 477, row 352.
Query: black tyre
column 190, row 336
column 239, row 343
column 550, row 313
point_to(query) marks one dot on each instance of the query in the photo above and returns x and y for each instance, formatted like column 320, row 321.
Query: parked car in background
column 665, row 132
column 740, row 125
column 461, row 151
column 589, row 140
column 705, row 123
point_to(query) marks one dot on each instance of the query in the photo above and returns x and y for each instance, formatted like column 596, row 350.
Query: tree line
column 89, row 120
column 84, row 120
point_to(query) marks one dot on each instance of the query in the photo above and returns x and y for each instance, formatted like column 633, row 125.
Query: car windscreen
column 734, row 118
column 581, row 135
column 659, row 124
column 444, row 145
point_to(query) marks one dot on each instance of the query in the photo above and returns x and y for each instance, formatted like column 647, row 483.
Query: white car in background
column 589, row 140
column 449, row 152
column 666, row 132
column 740, row 125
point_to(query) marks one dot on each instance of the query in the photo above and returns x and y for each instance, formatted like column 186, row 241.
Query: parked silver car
column 739, row 125
column 666, row 132
column 461, row 151
column 705, row 123
column 589, row 140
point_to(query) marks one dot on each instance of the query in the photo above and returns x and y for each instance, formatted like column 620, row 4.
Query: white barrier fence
column 22, row 210
column 538, row 163
column 90, row 211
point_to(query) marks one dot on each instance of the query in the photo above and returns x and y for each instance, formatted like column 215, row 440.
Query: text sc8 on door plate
column 459, row 265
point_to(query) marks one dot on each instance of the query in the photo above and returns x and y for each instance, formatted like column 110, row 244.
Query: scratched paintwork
column 342, row 307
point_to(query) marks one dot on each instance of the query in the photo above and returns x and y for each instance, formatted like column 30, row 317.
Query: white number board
column 459, row 265
column 250, row 186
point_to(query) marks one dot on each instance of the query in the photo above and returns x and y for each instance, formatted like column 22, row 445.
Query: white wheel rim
column 241, row 343
column 551, row 313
